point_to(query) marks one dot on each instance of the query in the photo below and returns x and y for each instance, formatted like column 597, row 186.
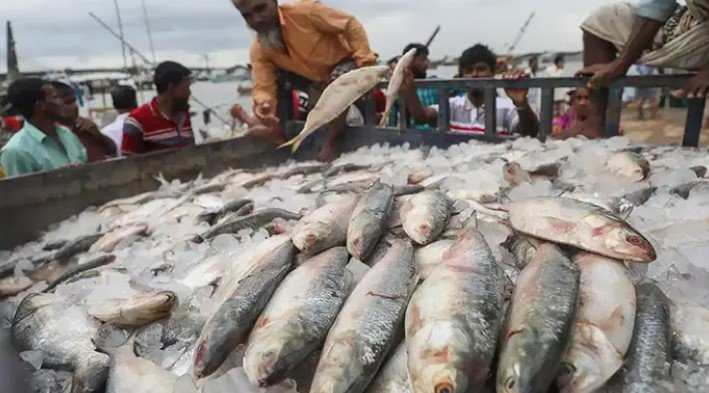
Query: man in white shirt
column 124, row 100
column 514, row 114
column 556, row 70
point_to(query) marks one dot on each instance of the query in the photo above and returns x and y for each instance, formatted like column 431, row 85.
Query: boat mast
column 150, row 34
column 13, row 70
column 120, row 32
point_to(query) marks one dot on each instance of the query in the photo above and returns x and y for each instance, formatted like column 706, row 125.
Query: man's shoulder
column 142, row 112
column 302, row 7
column 19, row 141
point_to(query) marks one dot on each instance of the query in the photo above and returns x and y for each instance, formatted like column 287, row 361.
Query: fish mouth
column 444, row 387
column 199, row 359
column 357, row 247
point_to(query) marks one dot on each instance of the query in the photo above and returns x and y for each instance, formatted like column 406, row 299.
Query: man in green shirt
column 41, row 145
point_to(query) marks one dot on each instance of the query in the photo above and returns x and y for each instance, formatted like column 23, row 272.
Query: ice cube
column 357, row 268
column 672, row 178
column 526, row 190
column 34, row 358
column 225, row 243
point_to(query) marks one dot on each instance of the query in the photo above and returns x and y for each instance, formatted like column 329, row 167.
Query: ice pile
column 472, row 172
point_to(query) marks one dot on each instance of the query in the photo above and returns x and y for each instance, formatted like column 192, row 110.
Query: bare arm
column 416, row 110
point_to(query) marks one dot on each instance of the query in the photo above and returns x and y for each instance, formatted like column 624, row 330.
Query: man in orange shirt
column 307, row 39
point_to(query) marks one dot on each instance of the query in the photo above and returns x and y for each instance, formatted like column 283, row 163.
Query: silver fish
column 454, row 318
column 137, row 310
column 685, row 190
column 579, row 224
column 524, row 248
column 109, row 241
column 42, row 323
column 394, row 376
column 229, row 207
column 254, row 221
column 368, row 324
column 368, row 221
column 425, row 216
column 649, row 356
column 395, row 81
column 603, row 327
column 539, row 323
column 243, row 296
column 76, row 246
column 325, row 227
column 628, row 164
column 337, row 97
column 298, row 317
column 99, row 261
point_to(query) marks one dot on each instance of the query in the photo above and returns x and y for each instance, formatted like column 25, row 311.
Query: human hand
column 697, row 87
column 517, row 95
column 265, row 112
column 604, row 72
column 86, row 125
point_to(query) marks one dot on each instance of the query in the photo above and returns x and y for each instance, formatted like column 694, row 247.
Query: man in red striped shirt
column 163, row 123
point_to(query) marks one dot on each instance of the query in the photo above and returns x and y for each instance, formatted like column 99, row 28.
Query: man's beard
column 181, row 106
column 271, row 39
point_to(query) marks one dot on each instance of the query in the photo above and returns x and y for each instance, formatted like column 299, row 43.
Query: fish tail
column 289, row 143
column 385, row 117
column 296, row 144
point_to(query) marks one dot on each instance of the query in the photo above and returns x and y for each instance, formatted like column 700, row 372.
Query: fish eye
column 510, row 383
column 634, row 240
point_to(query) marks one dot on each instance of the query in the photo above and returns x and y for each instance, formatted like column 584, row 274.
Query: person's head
column 262, row 16
column 581, row 101
column 124, row 98
column 419, row 65
column 559, row 61
column 35, row 98
column 477, row 62
column 70, row 109
column 534, row 63
column 172, row 80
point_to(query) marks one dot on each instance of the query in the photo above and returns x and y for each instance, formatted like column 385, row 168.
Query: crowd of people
column 303, row 46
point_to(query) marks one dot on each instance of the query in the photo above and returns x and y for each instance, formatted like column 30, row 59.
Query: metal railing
column 695, row 110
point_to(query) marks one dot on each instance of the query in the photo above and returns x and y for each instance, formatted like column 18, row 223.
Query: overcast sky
column 53, row 34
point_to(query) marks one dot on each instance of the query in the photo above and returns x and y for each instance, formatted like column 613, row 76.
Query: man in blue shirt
column 428, row 97
column 657, row 33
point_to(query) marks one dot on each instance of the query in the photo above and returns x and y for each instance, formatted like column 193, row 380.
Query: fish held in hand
column 337, row 97
column 582, row 225
column 397, row 78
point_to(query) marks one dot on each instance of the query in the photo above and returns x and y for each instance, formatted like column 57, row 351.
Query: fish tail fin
column 385, row 117
column 289, row 143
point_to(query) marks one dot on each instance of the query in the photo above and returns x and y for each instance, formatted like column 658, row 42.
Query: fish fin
column 289, row 143
column 385, row 117
column 460, row 205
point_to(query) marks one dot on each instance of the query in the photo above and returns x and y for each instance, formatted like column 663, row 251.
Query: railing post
column 490, row 111
column 444, row 113
column 613, row 111
column 370, row 114
column 546, row 117
column 693, row 127
column 403, row 119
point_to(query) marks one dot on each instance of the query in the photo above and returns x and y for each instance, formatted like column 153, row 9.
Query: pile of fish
column 576, row 266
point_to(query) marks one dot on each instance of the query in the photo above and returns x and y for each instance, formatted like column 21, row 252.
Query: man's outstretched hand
column 697, row 87
column 600, row 73
column 266, row 113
